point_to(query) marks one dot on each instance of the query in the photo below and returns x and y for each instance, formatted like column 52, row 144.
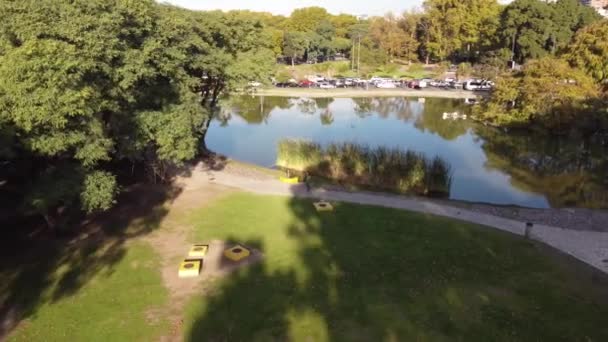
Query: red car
column 415, row 84
column 306, row 84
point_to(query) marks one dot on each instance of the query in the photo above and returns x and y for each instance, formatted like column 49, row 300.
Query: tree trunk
column 50, row 217
column 205, row 129
column 352, row 57
column 217, row 90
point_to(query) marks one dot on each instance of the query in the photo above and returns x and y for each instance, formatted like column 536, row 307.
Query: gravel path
column 568, row 218
column 588, row 246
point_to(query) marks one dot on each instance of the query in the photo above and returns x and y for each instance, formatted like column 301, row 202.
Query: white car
column 315, row 78
column 255, row 84
column 386, row 85
column 326, row 85
column 481, row 85
column 376, row 79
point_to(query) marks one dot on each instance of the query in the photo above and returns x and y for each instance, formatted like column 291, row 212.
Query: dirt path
column 172, row 243
column 590, row 247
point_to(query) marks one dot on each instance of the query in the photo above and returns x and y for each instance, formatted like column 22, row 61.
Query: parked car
column 306, row 84
column 326, row 85
column 286, row 85
column 479, row 85
column 386, row 85
column 315, row 78
column 361, row 83
column 439, row 84
column 377, row 80
column 486, row 86
column 471, row 85
column 417, row 84
column 412, row 84
column 254, row 84
column 456, row 85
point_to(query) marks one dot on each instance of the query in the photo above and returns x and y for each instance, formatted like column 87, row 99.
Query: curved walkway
column 587, row 246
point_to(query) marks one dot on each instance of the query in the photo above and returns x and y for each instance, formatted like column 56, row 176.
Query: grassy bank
column 380, row 168
column 344, row 69
column 375, row 274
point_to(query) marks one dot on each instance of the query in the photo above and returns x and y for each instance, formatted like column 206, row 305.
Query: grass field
column 357, row 274
column 374, row 274
column 119, row 303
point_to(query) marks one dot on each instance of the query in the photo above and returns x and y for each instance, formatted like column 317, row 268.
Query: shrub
column 283, row 76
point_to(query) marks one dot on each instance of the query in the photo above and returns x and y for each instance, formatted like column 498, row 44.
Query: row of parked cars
column 322, row 82
column 386, row 83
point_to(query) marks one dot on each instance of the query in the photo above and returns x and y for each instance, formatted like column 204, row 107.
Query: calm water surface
column 488, row 165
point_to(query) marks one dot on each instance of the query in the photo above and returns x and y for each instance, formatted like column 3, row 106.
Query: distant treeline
column 474, row 31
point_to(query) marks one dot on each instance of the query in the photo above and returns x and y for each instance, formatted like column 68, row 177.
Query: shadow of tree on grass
column 44, row 270
column 375, row 274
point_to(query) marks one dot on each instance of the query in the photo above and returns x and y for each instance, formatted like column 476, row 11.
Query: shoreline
column 575, row 219
column 357, row 93
column 586, row 245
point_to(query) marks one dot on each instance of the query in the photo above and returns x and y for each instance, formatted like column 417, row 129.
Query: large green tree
column 547, row 92
column 533, row 28
column 295, row 45
column 88, row 85
column 458, row 26
column 307, row 19
column 391, row 36
column 569, row 16
column 589, row 51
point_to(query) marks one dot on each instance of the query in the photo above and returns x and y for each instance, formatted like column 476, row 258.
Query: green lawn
column 357, row 274
column 374, row 274
column 116, row 304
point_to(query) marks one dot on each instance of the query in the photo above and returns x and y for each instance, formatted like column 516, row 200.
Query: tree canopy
column 535, row 28
column 548, row 92
column 85, row 85
column 589, row 51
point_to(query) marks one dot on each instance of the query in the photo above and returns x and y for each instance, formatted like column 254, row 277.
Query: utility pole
column 359, row 57
column 352, row 56
column 513, row 51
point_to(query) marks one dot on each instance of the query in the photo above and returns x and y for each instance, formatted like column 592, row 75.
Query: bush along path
column 587, row 246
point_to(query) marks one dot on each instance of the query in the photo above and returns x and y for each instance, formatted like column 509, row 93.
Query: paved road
column 372, row 92
column 587, row 246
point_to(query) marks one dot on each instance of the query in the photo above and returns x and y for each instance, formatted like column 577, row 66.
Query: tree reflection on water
column 569, row 172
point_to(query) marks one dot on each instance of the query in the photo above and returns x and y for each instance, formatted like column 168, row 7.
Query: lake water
column 489, row 165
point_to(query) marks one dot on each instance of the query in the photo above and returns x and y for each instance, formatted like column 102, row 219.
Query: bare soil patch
column 171, row 242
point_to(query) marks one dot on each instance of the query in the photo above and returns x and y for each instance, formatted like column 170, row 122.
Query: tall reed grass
column 380, row 168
